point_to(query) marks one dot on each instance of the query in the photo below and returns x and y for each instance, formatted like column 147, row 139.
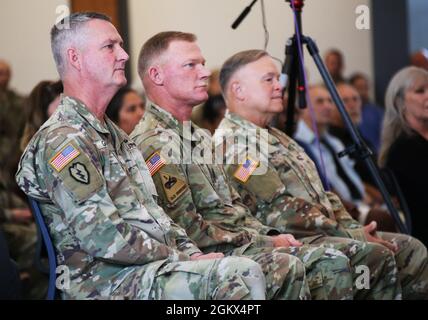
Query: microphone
column 242, row 15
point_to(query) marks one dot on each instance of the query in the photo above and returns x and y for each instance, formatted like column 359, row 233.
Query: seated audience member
column 210, row 114
column 126, row 109
column 279, row 122
column 286, row 190
column 40, row 105
column 20, row 233
column 340, row 173
column 335, row 64
column 17, row 223
column 353, row 106
column 11, row 107
column 404, row 148
column 11, row 124
column 371, row 114
column 420, row 59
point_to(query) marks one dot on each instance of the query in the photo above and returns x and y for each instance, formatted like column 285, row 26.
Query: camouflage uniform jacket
column 290, row 186
column 11, row 122
column 195, row 194
column 8, row 201
column 97, row 198
column 11, row 125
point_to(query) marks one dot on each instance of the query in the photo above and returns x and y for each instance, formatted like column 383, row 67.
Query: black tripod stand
column 293, row 71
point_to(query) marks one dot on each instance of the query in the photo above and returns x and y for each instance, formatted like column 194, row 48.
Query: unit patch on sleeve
column 79, row 173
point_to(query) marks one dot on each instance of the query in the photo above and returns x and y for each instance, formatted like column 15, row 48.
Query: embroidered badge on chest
column 79, row 173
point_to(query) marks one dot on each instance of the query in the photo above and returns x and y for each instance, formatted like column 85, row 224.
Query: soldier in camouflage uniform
column 290, row 196
column 111, row 238
column 196, row 194
column 18, row 226
column 15, row 217
column 11, row 114
column 11, row 124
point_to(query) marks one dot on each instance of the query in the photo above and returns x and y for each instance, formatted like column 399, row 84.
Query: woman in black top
column 404, row 147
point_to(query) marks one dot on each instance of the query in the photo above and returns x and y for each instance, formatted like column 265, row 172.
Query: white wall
column 330, row 23
column 25, row 43
column 417, row 17
column 25, row 25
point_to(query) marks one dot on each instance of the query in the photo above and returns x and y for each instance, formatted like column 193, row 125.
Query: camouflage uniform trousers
column 21, row 240
column 383, row 283
column 304, row 272
column 412, row 264
column 230, row 278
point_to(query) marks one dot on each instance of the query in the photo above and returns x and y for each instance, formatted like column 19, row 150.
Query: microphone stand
column 294, row 76
column 292, row 72
column 242, row 16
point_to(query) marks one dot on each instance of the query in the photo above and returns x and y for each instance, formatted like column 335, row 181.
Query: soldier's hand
column 212, row 255
column 286, row 240
column 370, row 233
column 22, row 215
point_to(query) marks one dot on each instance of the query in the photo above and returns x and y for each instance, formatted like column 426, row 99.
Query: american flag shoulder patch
column 155, row 162
column 64, row 157
column 243, row 173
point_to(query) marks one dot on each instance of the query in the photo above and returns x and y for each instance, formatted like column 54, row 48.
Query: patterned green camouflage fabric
column 12, row 120
column 290, row 197
column 21, row 237
column 11, row 125
column 21, row 240
column 111, row 238
column 198, row 197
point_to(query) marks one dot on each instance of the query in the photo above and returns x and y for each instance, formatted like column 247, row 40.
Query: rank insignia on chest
column 154, row 163
column 243, row 173
column 64, row 157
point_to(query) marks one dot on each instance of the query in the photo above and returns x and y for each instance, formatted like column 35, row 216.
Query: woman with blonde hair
column 404, row 148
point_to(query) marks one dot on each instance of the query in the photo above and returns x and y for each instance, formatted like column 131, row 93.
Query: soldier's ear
column 73, row 57
column 156, row 75
column 237, row 90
